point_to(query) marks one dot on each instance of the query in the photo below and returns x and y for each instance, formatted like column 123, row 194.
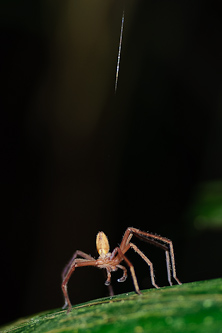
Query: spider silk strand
column 119, row 51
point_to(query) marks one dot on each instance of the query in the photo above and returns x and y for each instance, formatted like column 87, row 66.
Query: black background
column 76, row 158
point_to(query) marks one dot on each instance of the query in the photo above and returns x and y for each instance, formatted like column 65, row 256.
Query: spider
column 111, row 260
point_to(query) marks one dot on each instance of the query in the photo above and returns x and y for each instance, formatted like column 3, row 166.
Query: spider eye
column 102, row 243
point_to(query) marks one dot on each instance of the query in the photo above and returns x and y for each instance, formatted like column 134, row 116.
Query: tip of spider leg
column 121, row 279
column 155, row 286
column 68, row 310
column 178, row 281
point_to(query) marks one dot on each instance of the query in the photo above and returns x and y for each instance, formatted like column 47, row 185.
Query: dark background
column 76, row 158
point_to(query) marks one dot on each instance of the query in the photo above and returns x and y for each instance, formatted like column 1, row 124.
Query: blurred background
column 77, row 158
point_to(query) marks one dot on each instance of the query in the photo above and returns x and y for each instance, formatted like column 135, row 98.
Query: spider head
column 102, row 244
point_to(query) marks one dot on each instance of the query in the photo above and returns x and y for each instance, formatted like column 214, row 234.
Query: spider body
column 110, row 261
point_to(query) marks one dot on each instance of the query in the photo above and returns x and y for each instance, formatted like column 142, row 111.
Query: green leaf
column 206, row 209
column 191, row 307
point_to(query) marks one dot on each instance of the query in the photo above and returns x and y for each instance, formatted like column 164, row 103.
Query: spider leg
column 76, row 254
column 124, row 277
column 76, row 263
column 121, row 257
column 149, row 263
column 162, row 242
column 173, row 262
column 144, row 236
column 169, row 268
column 108, row 280
column 110, row 288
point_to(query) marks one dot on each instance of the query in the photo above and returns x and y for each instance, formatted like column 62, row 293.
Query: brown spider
column 111, row 260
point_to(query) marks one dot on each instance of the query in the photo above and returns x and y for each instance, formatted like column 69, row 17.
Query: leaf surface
column 191, row 307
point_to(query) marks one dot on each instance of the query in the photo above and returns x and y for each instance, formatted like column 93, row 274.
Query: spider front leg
column 76, row 254
column 124, row 277
column 69, row 269
column 120, row 257
column 108, row 280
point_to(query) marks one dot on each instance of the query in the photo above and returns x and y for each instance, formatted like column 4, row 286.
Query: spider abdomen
column 102, row 244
